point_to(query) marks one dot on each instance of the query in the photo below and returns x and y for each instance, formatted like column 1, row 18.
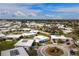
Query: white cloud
column 68, row 9
column 53, row 16
column 19, row 13
column 34, row 12
column 25, row 11
column 28, row 13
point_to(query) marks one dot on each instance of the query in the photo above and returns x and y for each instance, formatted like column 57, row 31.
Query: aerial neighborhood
column 38, row 38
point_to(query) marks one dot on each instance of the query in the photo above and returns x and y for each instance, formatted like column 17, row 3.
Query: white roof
column 13, row 29
column 58, row 37
column 28, row 34
column 2, row 35
column 60, row 26
column 26, row 29
column 40, row 38
column 77, row 41
column 25, row 42
column 5, row 30
column 74, row 49
column 21, row 51
column 13, row 36
column 34, row 31
column 67, row 30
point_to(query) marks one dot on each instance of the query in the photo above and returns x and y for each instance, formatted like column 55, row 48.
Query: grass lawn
column 73, row 46
column 74, row 36
column 43, row 34
column 32, row 52
column 77, row 53
column 48, row 42
column 4, row 45
column 29, row 37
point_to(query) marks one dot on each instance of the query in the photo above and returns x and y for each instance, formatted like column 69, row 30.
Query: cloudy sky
column 39, row 11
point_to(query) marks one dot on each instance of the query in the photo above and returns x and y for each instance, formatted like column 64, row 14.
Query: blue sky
column 39, row 11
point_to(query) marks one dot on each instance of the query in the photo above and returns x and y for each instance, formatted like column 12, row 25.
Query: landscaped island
column 54, row 51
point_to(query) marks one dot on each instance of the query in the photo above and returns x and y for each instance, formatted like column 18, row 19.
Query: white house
column 67, row 30
column 64, row 29
column 55, row 38
column 28, row 34
column 2, row 35
column 40, row 38
column 77, row 43
column 12, row 36
column 26, row 29
column 26, row 43
column 60, row 26
column 58, row 37
column 34, row 31
column 19, row 51
column 4, row 29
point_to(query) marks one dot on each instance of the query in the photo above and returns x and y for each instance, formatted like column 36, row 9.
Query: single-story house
column 77, row 43
column 26, row 29
column 41, row 38
column 2, row 35
column 55, row 38
column 5, row 30
column 60, row 26
column 22, row 30
column 67, row 30
column 12, row 36
column 19, row 51
column 28, row 34
column 26, row 43
column 34, row 31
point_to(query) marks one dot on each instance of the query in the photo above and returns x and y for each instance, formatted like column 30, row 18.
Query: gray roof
column 19, row 51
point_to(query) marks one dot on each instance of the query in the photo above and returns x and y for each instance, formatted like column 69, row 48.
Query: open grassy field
column 4, row 45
